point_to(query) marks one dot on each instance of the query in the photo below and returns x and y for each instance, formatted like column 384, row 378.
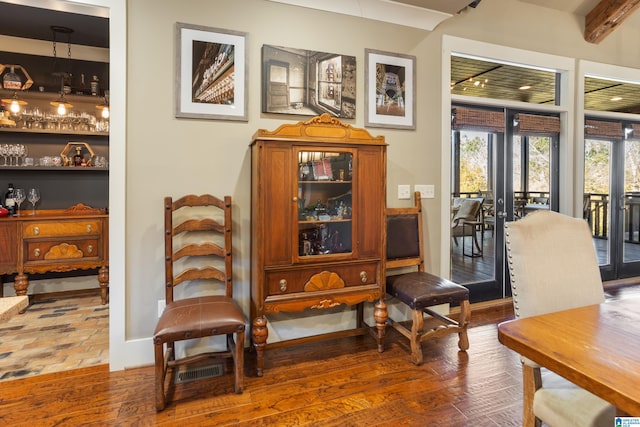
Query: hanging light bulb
column 105, row 108
column 15, row 104
column 61, row 103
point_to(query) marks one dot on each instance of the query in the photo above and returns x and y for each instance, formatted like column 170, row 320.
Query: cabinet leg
column 103, row 279
column 21, row 284
column 260, row 333
column 381, row 316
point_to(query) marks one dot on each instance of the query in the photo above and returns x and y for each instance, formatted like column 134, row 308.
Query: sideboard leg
column 381, row 316
column 103, row 279
column 259, row 335
column 21, row 284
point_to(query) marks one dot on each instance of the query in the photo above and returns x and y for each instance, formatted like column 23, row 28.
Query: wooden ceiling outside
column 501, row 81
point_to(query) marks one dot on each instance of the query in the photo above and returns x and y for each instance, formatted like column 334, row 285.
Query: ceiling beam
column 605, row 17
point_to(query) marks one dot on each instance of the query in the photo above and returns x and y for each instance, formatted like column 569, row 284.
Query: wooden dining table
column 596, row 347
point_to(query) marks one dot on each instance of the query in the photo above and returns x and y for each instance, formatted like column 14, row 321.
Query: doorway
column 508, row 161
column 612, row 195
column 52, row 13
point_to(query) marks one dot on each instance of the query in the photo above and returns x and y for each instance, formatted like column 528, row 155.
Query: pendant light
column 15, row 104
column 104, row 107
column 61, row 103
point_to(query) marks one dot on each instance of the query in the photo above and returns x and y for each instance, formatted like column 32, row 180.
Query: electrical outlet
column 161, row 304
column 404, row 192
column 426, row 191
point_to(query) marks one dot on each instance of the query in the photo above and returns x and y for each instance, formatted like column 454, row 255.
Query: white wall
column 167, row 156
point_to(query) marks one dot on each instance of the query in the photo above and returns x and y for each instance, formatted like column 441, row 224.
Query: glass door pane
column 597, row 188
column 324, row 203
column 631, row 248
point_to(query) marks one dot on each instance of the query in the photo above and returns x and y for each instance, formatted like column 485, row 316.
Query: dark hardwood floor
column 343, row 382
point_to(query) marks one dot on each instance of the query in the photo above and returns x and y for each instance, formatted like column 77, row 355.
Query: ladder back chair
column 419, row 290
column 553, row 267
column 198, row 254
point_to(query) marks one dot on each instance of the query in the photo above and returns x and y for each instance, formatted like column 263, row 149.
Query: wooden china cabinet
column 317, row 221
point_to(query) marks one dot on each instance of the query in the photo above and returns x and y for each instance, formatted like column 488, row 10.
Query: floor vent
column 193, row 374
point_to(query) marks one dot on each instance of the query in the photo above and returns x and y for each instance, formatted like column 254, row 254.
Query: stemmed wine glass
column 33, row 196
column 18, row 196
column 4, row 152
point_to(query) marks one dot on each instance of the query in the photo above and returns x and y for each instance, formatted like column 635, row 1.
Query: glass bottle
column 95, row 86
column 9, row 202
column 66, row 81
column 77, row 158
column 11, row 80
column 82, row 87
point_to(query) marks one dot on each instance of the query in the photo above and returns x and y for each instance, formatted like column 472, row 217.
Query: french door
column 612, row 198
column 513, row 171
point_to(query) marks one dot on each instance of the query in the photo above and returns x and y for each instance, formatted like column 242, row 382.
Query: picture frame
column 307, row 82
column 390, row 90
column 211, row 73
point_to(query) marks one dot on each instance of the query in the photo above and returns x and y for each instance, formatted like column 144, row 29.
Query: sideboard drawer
column 44, row 229
column 295, row 280
column 67, row 250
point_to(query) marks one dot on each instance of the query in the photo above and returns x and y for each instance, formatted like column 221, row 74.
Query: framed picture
column 390, row 88
column 308, row 82
column 211, row 73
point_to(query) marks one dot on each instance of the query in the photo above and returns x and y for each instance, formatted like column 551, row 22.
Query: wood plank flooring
column 343, row 382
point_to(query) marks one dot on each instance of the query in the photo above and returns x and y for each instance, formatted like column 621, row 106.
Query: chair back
column 468, row 210
column 403, row 236
column 197, row 241
column 552, row 264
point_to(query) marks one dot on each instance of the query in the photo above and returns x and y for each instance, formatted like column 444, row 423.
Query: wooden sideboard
column 55, row 241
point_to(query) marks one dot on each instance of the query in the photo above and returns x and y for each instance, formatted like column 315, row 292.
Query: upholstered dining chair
column 552, row 267
column 467, row 222
column 198, row 254
column 419, row 290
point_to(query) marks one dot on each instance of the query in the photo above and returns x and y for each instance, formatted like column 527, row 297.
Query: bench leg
column 463, row 323
column 416, row 332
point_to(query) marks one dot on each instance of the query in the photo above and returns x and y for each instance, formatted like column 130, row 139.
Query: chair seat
column 420, row 290
column 572, row 406
column 186, row 319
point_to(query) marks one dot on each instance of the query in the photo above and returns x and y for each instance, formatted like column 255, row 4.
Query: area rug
column 12, row 305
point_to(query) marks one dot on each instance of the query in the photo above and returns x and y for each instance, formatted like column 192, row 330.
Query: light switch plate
column 404, row 192
column 426, row 191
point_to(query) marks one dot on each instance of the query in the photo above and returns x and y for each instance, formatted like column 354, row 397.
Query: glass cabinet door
column 324, row 203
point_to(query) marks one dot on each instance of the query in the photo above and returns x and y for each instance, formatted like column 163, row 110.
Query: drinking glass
column 18, row 196
column 33, row 196
column 4, row 152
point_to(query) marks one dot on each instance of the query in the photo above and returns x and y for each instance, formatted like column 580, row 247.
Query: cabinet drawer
column 318, row 278
column 61, row 251
column 61, row 228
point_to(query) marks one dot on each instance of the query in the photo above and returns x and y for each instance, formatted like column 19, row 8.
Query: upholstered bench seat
column 419, row 289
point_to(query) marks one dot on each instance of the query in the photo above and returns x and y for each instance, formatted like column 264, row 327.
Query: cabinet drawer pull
column 90, row 249
column 363, row 276
column 36, row 252
column 283, row 285
column 36, row 230
column 89, row 228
